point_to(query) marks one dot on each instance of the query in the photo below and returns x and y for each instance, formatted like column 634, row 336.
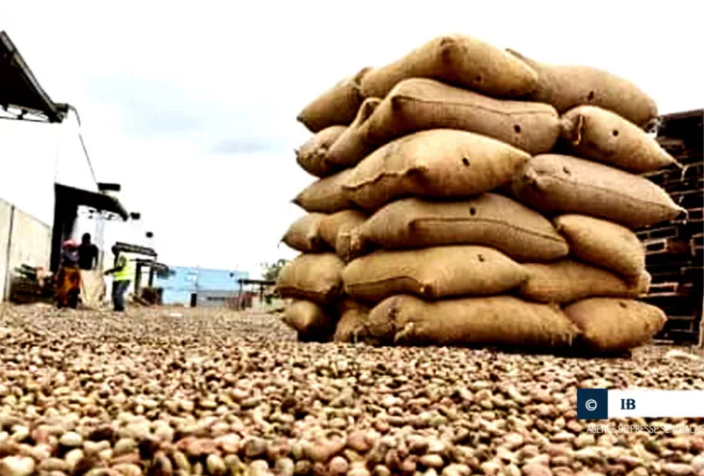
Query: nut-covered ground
column 166, row 391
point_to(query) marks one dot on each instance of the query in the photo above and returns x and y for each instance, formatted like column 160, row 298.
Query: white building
column 48, row 192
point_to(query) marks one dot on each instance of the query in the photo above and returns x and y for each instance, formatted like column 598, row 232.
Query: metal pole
column 138, row 278
column 194, row 303
column 701, row 327
column 197, row 278
column 100, row 239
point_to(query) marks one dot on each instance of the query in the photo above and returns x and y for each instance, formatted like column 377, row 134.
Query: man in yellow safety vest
column 122, row 275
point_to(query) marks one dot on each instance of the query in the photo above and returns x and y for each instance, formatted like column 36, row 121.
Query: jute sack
column 351, row 245
column 312, row 156
column 562, row 184
column 432, row 273
column 603, row 244
column 437, row 163
column 335, row 107
column 92, row 288
column 325, row 195
column 567, row 281
column 568, row 86
column 313, row 277
column 333, row 224
column 351, row 328
column 308, row 318
column 341, row 232
column 613, row 325
column 601, row 135
column 304, row 234
column 495, row 320
column 354, row 143
column 490, row 220
column 419, row 104
column 460, row 60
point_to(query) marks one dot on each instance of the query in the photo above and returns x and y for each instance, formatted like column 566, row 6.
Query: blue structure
column 184, row 282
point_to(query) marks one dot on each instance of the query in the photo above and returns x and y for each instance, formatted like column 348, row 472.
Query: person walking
column 68, row 279
column 122, row 275
column 87, row 253
column 92, row 283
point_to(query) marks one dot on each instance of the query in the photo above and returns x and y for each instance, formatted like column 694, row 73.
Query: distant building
column 199, row 286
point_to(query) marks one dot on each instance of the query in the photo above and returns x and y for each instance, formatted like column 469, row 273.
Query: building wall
column 5, row 217
column 28, row 159
column 24, row 240
column 215, row 298
column 30, row 242
column 186, row 281
column 33, row 157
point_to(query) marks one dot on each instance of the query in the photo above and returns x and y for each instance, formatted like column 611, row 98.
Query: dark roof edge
column 56, row 113
column 136, row 249
column 96, row 200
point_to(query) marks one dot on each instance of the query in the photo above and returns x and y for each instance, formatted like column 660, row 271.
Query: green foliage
column 272, row 270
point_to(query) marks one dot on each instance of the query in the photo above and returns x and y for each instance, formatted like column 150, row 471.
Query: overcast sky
column 192, row 106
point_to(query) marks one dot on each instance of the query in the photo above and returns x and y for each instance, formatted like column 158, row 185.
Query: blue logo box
column 592, row 404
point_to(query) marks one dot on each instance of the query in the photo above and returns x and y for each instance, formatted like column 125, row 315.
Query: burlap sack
column 564, row 184
column 92, row 288
column 603, row 244
column 432, row 273
column 333, row 224
column 325, row 195
column 304, row 234
column 495, row 320
column 341, row 232
column 354, row 144
column 613, row 325
column 606, row 137
column 438, row 163
column 568, row 86
column 351, row 245
column 418, row 104
column 313, row 277
column 335, row 107
column 460, row 60
column 309, row 318
column 351, row 328
column 566, row 281
column 312, row 156
column 490, row 220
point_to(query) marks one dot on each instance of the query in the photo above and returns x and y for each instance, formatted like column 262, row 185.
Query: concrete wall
column 23, row 240
column 30, row 242
column 5, row 217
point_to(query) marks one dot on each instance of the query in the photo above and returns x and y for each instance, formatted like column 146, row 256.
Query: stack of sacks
column 485, row 232
column 326, row 236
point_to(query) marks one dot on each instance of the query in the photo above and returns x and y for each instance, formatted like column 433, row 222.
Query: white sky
column 192, row 107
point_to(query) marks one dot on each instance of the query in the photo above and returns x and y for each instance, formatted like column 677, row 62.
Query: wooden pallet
column 675, row 250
